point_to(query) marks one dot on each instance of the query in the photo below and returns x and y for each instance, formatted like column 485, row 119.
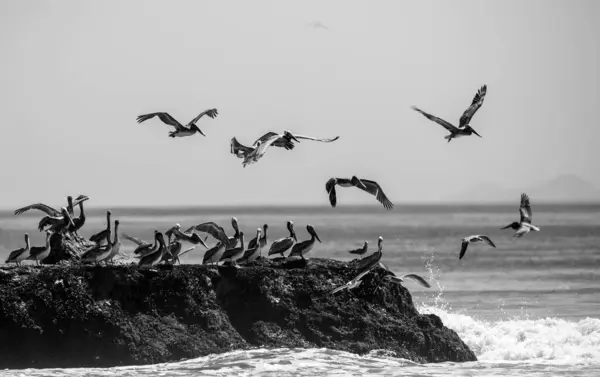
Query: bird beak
column 508, row 226
column 475, row 132
column 318, row 239
column 294, row 235
column 293, row 137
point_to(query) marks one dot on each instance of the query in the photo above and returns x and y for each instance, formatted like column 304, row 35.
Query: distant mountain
column 565, row 189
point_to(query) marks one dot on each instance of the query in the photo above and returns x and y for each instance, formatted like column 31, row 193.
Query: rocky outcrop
column 81, row 316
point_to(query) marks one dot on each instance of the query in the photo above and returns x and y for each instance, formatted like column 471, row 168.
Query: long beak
column 294, row 235
column 199, row 130
column 475, row 132
column 318, row 239
column 508, row 226
column 293, row 137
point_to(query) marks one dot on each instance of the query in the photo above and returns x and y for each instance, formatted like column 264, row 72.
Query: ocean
column 531, row 305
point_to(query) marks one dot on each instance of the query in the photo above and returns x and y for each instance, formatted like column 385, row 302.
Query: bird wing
column 135, row 240
column 330, row 187
column 253, row 242
column 354, row 282
column 463, row 249
column 373, row 188
column 475, row 105
column 165, row 117
column 418, row 279
column 265, row 137
column 39, row 206
column 80, row 199
column 186, row 251
column 259, row 151
column 281, row 245
column 214, row 230
column 487, row 240
column 210, row 113
column 439, row 121
column 324, row 140
column 525, row 209
column 239, row 149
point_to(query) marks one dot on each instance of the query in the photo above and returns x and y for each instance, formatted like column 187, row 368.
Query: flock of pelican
column 231, row 249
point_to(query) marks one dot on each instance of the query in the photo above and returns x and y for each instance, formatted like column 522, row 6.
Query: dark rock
column 82, row 316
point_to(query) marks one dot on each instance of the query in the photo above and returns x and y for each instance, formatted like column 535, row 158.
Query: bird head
column 290, row 226
column 357, row 182
column 469, row 128
column 312, row 232
column 380, row 243
column 513, row 225
column 197, row 129
column 289, row 135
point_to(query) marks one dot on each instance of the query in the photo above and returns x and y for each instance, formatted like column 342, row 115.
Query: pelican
column 473, row 239
column 304, row 247
column 351, row 284
column 51, row 211
column 371, row 187
column 259, row 151
column 464, row 128
column 143, row 247
column 101, row 235
column 115, row 246
column 372, row 260
column 263, row 238
column 415, row 277
column 39, row 253
column 239, row 149
column 56, row 223
column 214, row 230
column 282, row 245
column 233, row 254
column 153, row 258
column 214, row 254
column 252, row 252
column 175, row 252
column 80, row 220
column 99, row 252
column 524, row 226
column 180, row 130
column 190, row 237
column 19, row 255
column 361, row 250
column 169, row 233
column 233, row 240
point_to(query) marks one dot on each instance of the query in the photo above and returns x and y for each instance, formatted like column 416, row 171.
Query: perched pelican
column 372, row 260
column 214, row 254
column 80, row 220
column 351, row 284
column 361, row 250
column 115, row 246
column 39, row 253
column 56, row 223
column 180, row 130
column 263, row 238
column 464, row 128
column 371, row 187
column 233, row 240
column 214, row 230
column 282, row 245
column 143, row 247
column 19, row 255
column 99, row 252
column 232, row 255
column 101, row 235
column 253, row 252
column 524, row 226
column 153, row 258
column 51, row 211
column 301, row 248
column 473, row 239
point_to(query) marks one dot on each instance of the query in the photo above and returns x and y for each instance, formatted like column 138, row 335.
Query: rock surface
column 83, row 316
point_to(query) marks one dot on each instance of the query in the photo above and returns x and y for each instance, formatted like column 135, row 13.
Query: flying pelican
column 19, row 255
column 361, row 250
column 372, row 260
column 180, row 130
column 190, row 237
column 282, row 245
column 51, row 211
column 214, row 230
column 352, row 283
column 263, row 238
column 56, row 223
column 115, row 246
column 259, row 151
column 101, row 235
column 39, row 253
column 464, row 128
column 153, row 258
column 400, row 279
column 253, row 252
column 524, row 226
column 144, row 247
column 371, row 187
column 214, row 254
column 301, row 248
column 233, row 254
column 473, row 239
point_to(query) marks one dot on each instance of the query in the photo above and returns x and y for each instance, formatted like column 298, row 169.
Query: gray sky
column 74, row 75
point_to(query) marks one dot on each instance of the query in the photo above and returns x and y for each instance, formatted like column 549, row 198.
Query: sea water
column 531, row 305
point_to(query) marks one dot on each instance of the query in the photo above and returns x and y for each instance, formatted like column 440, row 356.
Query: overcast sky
column 74, row 75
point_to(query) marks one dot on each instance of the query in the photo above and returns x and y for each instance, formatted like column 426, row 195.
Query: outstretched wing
column 213, row 229
column 439, row 121
column 264, row 138
column 463, row 249
column 373, row 188
column 475, row 105
column 135, row 240
column 324, row 140
column 210, row 113
column 487, row 240
column 330, row 187
column 165, row 117
column 39, row 206
column 418, row 279
column 525, row 209
column 239, row 149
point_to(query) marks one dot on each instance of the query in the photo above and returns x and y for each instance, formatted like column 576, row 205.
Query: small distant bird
column 180, row 130
column 473, row 239
column 524, row 226
column 304, row 247
column 317, row 25
column 361, row 250
column 19, row 255
column 371, row 187
column 282, row 245
column 464, row 128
